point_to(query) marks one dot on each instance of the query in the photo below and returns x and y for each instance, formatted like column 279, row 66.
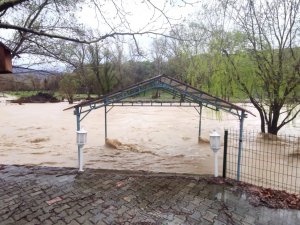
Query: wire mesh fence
column 266, row 160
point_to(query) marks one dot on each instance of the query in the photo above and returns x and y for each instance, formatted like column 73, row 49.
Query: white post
column 81, row 141
column 81, row 158
column 216, row 164
column 215, row 143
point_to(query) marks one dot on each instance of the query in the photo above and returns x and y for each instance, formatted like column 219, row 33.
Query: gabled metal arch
column 167, row 84
column 172, row 86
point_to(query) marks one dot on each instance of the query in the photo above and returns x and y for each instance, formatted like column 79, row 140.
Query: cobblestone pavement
column 43, row 195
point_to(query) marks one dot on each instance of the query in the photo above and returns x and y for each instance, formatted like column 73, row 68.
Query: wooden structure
column 5, row 59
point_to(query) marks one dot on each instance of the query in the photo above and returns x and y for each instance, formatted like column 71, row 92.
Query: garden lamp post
column 81, row 141
column 215, row 142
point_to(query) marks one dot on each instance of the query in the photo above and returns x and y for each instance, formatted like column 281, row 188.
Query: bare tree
column 6, row 4
column 68, row 86
column 118, row 61
column 55, row 20
column 272, row 31
column 159, row 52
column 100, row 62
column 42, row 16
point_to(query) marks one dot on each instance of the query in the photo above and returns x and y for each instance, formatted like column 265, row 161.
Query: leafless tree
column 38, row 21
column 272, row 30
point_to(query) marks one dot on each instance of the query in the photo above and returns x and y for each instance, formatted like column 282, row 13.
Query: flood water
column 148, row 138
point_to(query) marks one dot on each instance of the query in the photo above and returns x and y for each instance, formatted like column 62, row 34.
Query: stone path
column 43, row 195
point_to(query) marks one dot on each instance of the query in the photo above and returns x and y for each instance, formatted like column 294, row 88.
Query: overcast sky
column 140, row 17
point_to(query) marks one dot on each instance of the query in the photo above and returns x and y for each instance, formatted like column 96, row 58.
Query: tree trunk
column 70, row 99
column 273, row 124
column 262, row 122
column 273, row 130
column 261, row 115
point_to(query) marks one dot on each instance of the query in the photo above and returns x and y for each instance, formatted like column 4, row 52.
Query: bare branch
column 286, row 120
column 6, row 4
column 83, row 41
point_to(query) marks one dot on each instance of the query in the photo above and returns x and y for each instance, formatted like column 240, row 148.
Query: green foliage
column 21, row 94
column 151, row 95
column 68, row 87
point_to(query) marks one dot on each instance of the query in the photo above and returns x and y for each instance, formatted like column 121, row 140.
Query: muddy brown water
column 149, row 138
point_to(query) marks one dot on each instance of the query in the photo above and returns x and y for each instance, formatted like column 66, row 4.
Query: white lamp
column 81, row 141
column 215, row 143
column 81, row 137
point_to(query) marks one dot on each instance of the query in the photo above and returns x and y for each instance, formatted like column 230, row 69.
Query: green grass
column 148, row 95
column 20, row 94
column 84, row 96
column 25, row 94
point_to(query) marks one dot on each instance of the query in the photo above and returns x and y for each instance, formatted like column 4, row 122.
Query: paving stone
column 62, row 215
column 97, row 218
column 97, row 202
column 169, row 216
column 202, row 208
column 82, row 219
column 263, row 219
column 245, row 223
column 22, row 214
column 236, row 217
column 192, row 221
column 191, row 206
column 207, row 202
column 61, row 208
column 8, row 221
column 22, row 222
column 122, row 210
column 83, row 210
column 73, row 209
column 34, row 222
column 73, row 222
column 101, row 223
column 36, row 193
column 10, row 199
column 54, row 219
column 47, row 222
column 44, row 216
column 111, row 197
column 60, row 222
column 109, row 219
column 217, row 222
column 223, row 217
column 196, row 215
column 209, row 216
column 178, row 221
column 71, row 217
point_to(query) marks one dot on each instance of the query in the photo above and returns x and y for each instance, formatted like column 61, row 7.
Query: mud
column 140, row 138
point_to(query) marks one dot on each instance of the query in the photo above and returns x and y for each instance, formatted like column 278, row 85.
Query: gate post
column 105, row 122
column 225, row 153
column 200, row 123
column 240, row 145
column 77, row 113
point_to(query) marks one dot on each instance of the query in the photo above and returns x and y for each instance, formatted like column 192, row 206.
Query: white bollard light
column 215, row 143
column 81, row 141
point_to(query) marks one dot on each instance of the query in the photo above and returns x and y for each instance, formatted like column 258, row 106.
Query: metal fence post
column 200, row 123
column 77, row 113
column 240, row 145
column 225, row 153
column 105, row 122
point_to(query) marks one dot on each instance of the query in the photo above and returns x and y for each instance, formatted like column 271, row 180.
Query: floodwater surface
column 139, row 138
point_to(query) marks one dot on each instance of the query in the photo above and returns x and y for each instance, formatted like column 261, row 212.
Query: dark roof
column 5, row 47
column 168, row 84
